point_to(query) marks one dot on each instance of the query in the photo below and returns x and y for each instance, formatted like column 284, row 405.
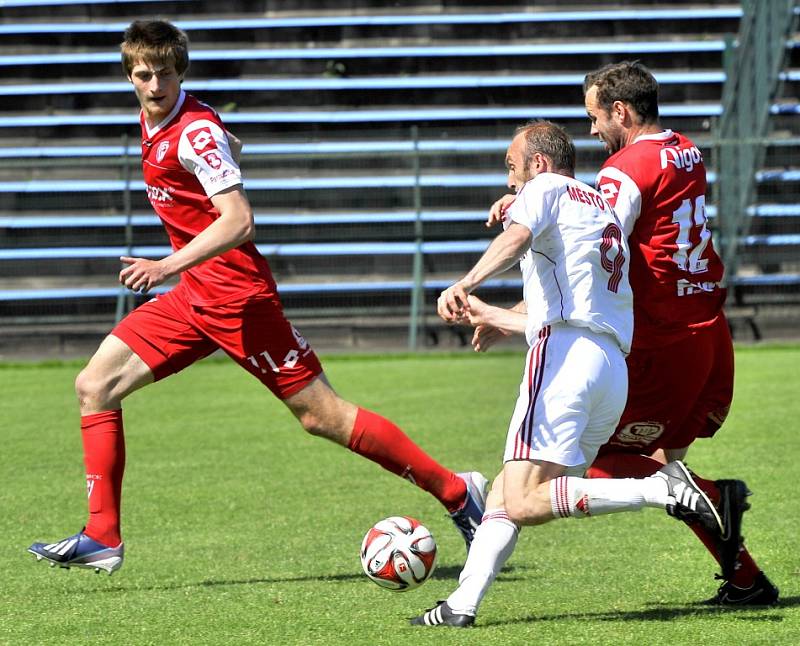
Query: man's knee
column 323, row 414
column 92, row 385
column 530, row 506
column 313, row 423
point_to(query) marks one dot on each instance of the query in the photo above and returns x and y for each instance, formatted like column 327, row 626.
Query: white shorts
column 571, row 397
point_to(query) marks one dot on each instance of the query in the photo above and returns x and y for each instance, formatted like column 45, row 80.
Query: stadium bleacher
column 362, row 126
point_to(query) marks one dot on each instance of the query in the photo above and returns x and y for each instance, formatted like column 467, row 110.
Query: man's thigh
column 570, row 398
column 161, row 333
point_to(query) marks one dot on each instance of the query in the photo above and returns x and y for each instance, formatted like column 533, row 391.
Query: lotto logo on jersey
column 609, row 189
column 202, row 140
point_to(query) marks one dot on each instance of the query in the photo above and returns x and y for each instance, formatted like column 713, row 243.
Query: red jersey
column 186, row 160
column 657, row 186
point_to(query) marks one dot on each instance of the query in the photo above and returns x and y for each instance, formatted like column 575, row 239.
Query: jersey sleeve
column 622, row 194
column 532, row 208
column 204, row 150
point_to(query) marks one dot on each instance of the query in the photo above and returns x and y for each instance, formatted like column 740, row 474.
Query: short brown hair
column 629, row 82
column 155, row 41
column 549, row 139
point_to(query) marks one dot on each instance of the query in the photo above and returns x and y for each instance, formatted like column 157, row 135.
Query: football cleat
column 687, row 501
column 80, row 551
column 469, row 516
column 761, row 593
column 442, row 615
column 732, row 505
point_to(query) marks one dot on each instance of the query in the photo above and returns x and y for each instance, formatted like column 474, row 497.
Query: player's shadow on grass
column 658, row 612
column 443, row 572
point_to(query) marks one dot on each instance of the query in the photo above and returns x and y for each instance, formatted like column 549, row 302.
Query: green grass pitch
column 241, row 529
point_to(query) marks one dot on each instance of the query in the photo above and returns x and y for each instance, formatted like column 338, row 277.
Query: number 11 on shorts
column 289, row 361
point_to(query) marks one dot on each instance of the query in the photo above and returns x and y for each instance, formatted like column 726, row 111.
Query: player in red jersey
column 226, row 299
column 680, row 367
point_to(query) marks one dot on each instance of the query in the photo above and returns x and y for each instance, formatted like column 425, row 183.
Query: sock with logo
column 579, row 497
column 104, row 458
column 379, row 440
column 492, row 546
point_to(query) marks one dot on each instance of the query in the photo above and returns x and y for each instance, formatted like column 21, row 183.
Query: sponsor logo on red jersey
column 609, row 189
column 202, row 140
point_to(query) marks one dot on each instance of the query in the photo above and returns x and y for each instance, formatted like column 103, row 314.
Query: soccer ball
column 398, row 553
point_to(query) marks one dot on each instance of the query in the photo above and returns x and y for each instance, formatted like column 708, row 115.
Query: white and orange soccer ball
column 398, row 553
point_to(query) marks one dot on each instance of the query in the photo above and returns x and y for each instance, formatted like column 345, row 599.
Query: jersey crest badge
column 163, row 147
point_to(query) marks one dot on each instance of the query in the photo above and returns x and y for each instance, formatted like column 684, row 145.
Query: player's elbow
column 249, row 229
column 245, row 227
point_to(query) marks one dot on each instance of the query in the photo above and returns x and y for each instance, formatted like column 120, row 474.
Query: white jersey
column 576, row 270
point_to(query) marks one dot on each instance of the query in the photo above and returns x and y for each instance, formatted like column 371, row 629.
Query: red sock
column 623, row 465
column 746, row 569
column 379, row 440
column 104, row 457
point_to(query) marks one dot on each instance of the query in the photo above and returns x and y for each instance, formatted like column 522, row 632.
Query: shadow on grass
column 443, row 572
column 659, row 612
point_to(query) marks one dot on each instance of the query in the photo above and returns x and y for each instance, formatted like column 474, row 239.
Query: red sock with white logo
column 379, row 440
column 625, row 465
column 104, row 458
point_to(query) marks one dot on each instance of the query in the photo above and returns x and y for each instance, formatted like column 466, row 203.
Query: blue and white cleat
column 80, row 551
column 469, row 516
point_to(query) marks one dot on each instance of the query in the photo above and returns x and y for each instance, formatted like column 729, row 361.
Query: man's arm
column 504, row 252
column 233, row 227
column 235, row 144
column 486, row 334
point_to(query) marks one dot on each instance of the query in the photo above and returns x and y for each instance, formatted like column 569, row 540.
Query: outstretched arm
column 486, row 334
column 504, row 252
column 233, row 227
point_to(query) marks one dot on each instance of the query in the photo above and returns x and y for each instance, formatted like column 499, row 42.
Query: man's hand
column 497, row 213
column 485, row 336
column 141, row 274
column 453, row 305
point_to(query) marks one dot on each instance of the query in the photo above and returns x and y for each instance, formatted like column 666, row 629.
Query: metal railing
column 752, row 63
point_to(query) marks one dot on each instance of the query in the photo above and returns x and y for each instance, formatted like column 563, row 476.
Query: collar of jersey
column 151, row 132
column 659, row 136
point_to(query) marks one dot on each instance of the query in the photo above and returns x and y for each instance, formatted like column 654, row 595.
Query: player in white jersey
column 579, row 325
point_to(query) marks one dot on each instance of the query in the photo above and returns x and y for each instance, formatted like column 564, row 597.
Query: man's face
column 518, row 172
column 604, row 124
column 157, row 87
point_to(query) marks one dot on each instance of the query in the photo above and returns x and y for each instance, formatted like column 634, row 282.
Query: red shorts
column 676, row 393
column 168, row 334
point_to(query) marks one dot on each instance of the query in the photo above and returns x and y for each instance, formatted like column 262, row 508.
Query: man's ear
column 620, row 111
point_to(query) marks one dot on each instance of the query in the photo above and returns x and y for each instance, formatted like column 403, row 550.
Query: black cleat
column 732, row 505
column 761, row 593
column 687, row 501
column 442, row 615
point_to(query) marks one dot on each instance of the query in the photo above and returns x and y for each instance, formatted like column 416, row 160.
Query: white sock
column 493, row 543
column 579, row 497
